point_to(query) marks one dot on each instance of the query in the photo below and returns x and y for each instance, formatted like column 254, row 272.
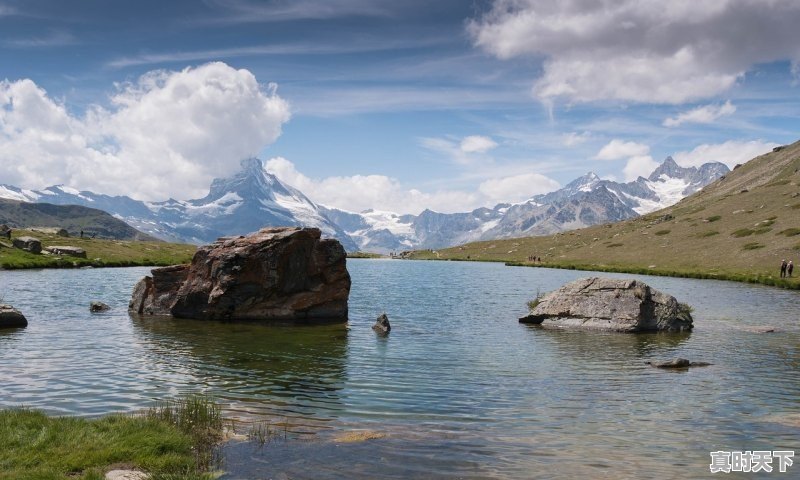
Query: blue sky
column 392, row 105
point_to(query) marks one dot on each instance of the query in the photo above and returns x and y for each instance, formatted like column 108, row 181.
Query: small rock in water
column 678, row 363
column 382, row 325
column 10, row 317
column 96, row 306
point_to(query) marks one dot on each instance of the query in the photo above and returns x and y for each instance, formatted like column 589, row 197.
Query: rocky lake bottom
column 458, row 389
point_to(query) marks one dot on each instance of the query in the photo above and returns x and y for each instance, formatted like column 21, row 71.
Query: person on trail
column 790, row 268
column 783, row 268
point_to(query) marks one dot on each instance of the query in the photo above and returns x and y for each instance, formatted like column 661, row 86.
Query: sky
column 392, row 105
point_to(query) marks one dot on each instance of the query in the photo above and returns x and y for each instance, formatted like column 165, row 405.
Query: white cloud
column 639, row 50
column 704, row 114
column 167, row 134
column 730, row 153
column 517, row 188
column 573, row 139
column 617, row 149
column 639, row 166
column 360, row 192
column 477, row 144
column 463, row 152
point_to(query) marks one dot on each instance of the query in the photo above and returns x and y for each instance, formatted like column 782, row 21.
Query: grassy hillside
column 738, row 228
column 73, row 218
column 99, row 252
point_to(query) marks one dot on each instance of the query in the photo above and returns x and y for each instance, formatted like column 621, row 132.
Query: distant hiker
column 783, row 268
column 790, row 268
column 81, row 233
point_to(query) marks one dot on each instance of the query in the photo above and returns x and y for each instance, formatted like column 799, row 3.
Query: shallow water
column 460, row 389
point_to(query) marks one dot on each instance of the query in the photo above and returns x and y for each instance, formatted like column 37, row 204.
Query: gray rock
column 96, row 306
column 66, row 250
column 31, row 244
column 126, row 475
column 611, row 305
column 278, row 273
column 677, row 363
column 10, row 317
column 382, row 326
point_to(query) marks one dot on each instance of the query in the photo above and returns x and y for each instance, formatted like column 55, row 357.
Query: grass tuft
column 714, row 218
column 662, row 232
column 790, row 232
column 752, row 246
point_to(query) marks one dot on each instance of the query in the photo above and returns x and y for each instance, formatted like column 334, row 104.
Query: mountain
column 73, row 218
column 739, row 227
column 254, row 198
column 586, row 201
column 240, row 204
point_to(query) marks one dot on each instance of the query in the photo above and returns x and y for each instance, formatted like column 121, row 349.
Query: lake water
column 459, row 389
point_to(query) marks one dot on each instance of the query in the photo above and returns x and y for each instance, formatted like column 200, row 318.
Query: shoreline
column 755, row 279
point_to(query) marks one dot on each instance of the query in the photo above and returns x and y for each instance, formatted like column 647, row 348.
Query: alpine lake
column 458, row 389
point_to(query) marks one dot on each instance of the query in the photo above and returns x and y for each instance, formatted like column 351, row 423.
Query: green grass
column 752, row 246
column 662, row 232
column 714, row 218
column 99, row 253
column 364, row 255
column 36, row 446
column 710, row 233
column 743, row 232
column 790, row 232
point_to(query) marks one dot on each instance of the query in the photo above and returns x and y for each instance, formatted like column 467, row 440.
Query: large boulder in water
column 10, row 317
column 611, row 305
column 274, row 274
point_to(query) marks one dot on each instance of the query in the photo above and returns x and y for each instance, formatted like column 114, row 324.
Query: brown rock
column 610, row 305
column 274, row 274
column 31, row 244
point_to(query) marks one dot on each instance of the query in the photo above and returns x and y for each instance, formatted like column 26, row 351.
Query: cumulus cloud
column 704, row 114
column 477, row 144
column 639, row 166
column 617, row 149
column 639, row 50
column 516, row 188
column 167, row 134
column 730, row 153
column 360, row 192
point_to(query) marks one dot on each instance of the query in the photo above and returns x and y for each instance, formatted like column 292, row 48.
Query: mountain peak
column 671, row 169
column 252, row 163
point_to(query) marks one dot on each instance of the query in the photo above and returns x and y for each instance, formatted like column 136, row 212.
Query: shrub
column 743, row 232
column 790, row 232
column 662, row 232
column 714, row 218
column 613, row 245
column 709, row 233
column 752, row 246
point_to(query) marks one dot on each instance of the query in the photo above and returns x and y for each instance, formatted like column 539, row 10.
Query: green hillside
column 73, row 218
column 99, row 252
column 740, row 228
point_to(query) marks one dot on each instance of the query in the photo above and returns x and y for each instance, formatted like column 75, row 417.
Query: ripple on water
column 459, row 389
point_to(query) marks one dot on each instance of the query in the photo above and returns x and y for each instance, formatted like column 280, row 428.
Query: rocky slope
column 73, row 218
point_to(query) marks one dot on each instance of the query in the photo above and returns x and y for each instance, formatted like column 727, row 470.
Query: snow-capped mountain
column 247, row 201
column 587, row 200
column 254, row 198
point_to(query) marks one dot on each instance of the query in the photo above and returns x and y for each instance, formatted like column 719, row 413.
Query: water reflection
column 257, row 370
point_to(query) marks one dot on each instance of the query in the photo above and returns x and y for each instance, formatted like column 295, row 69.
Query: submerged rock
column 609, row 304
column 30, row 244
column 274, row 274
column 677, row 363
column 382, row 325
column 10, row 317
column 96, row 306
